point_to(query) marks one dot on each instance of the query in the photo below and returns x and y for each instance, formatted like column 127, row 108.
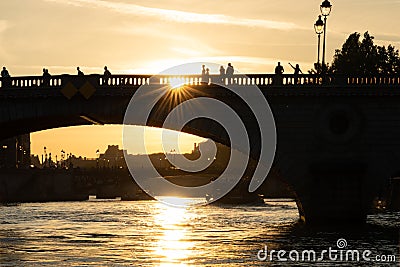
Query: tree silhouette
column 389, row 60
column 365, row 58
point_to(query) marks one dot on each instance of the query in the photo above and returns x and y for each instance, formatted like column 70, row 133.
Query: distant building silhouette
column 112, row 157
column 15, row 152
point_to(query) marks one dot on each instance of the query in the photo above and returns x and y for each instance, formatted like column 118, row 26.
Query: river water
column 149, row 233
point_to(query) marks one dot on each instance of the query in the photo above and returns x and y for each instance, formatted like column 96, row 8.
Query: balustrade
column 237, row 79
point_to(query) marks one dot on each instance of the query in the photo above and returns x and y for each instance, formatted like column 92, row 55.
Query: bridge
column 338, row 136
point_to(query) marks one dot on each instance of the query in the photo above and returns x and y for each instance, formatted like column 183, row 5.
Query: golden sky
column 86, row 140
column 148, row 36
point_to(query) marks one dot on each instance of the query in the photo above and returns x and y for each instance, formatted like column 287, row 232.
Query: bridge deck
column 304, row 84
column 239, row 79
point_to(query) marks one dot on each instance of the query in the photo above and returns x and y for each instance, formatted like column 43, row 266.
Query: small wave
column 95, row 235
column 84, row 241
column 32, row 250
column 58, row 237
column 10, row 204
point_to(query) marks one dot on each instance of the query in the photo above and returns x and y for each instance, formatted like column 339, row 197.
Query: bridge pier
column 336, row 193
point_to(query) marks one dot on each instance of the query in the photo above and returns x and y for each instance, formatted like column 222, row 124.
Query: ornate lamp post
column 98, row 157
column 326, row 8
column 319, row 29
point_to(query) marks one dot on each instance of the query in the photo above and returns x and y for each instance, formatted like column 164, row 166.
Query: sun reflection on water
column 173, row 247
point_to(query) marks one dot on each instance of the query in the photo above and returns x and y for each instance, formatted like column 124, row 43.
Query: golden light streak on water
column 173, row 246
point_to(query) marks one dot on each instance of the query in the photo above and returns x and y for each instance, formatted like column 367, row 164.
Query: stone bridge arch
column 337, row 141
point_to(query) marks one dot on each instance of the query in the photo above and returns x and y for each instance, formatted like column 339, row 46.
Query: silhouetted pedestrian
column 297, row 69
column 278, row 79
column 5, row 73
column 6, row 77
column 80, row 73
column 46, row 77
column 279, row 69
column 229, row 72
column 207, row 76
column 106, row 76
column 222, row 74
column 297, row 72
column 203, row 74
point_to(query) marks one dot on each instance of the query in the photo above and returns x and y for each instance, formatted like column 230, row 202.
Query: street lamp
column 319, row 28
column 45, row 155
column 98, row 157
column 326, row 8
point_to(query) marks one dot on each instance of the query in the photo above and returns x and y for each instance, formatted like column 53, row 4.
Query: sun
column 177, row 83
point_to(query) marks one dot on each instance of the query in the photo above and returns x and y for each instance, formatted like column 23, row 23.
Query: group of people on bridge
column 46, row 76
column 6, row 74
column 225, row 75
column 279, row 70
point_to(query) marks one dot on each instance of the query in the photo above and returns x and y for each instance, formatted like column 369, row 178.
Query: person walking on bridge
column 207, row 76
column 6, row 77
column 5, row 73
column 222, row 74
column 279, row 70
column 106, row 76
column 229, row 73
column 278, row 79
column 297, row 71
column 203, row 74
column 46, row 77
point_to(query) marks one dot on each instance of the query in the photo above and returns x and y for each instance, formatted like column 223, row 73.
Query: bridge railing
column 121, row 80
column 377, row 80
column 237, row 79
column 31, row 81
column 240, row 79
